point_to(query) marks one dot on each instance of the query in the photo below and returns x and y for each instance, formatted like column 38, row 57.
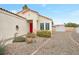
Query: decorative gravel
column 22, row 48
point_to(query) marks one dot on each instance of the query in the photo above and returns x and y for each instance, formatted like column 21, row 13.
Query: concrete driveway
column 62, row 43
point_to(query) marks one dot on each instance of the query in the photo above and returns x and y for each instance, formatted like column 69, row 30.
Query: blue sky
column 60, row 13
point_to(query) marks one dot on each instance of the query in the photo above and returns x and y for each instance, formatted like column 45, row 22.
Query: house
column 10, row 23
column 21, row 23
column 62, row 28
column 59, row 28
column 77, row 30
column 36, row 22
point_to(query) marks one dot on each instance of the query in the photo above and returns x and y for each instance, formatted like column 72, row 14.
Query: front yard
column 59, row 43
column 22, row 48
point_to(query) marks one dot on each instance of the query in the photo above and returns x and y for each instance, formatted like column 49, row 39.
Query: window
column 47, row 26
column 41, row 26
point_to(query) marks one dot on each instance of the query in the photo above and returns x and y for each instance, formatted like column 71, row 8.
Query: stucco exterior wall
column 60, row 28
column 44, row 20
column 31, row 16
column 35, row 26
column 8, row 24
column 37, row 19
column 77, row 30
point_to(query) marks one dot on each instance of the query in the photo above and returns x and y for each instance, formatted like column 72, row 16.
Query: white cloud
column 74, row 13
column 58, row 21
column 74, row 16
column 14, row 11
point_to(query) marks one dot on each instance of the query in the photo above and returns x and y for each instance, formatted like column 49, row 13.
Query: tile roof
column 11, row 13
column 45, row 17
column 26, row 10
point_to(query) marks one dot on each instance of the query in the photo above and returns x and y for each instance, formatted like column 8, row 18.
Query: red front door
column 31, row 27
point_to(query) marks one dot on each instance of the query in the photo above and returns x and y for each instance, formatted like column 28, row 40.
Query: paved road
column 61, row 43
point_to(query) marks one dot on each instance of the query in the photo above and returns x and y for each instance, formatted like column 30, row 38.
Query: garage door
column 60, row 29
column 77, row 30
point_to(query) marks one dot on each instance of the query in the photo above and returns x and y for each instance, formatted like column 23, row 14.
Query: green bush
column 2, row 47
column 19, row 39
column 71, row 25
column 31, row 35
column 46, row 34
column 2, row 50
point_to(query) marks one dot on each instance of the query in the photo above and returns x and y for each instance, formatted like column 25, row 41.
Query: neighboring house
column 77, row 30
column 23, row 22
column 62, row 28
column 36, row 22
column 59, row 28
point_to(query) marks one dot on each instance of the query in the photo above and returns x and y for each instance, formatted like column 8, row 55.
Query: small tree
column 25, row 7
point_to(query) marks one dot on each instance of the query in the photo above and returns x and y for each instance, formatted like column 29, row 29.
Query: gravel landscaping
column 22, row 48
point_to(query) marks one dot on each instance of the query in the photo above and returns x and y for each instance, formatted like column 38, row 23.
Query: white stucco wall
column 29, row 15
column 60, row 28
column 77, row 30
column 44, row 20
column 8, row 24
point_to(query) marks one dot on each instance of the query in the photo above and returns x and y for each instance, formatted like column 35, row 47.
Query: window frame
column 41, row 26
column 47, row 26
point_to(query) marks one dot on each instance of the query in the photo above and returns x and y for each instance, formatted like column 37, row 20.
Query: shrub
column 71, row 25
column 2, row 47
column 19, row 39
column 44, row 34
column 2, row 50
column 31, row 35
